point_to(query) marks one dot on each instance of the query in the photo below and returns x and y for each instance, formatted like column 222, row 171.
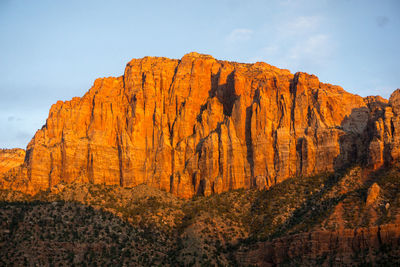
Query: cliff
column 11, row 158
column 200, row 126
column 349, row 247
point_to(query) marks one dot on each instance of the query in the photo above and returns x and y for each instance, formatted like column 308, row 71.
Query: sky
column 54, row 50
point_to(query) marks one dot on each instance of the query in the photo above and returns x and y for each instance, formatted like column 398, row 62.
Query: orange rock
column 201, row 126
column 373, row 194
column 11, row 158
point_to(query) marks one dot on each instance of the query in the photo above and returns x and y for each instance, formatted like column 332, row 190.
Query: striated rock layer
column 326, row 248
column 11, row 158
column 201, row 126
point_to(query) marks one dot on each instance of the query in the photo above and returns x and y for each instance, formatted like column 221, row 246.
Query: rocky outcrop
column 384, row 146
column 348, row 247
column 373, row 194
column 11, row 158
column 200, row 126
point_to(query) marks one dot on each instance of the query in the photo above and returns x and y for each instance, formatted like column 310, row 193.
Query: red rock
column 201, row 126
column 11, row 158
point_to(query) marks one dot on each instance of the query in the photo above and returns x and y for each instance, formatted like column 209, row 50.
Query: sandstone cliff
column 200, row 126
column 11, row 158
column 326, row 248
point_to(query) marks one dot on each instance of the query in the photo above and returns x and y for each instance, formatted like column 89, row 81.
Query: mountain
column 198, row 126
column 203, row 162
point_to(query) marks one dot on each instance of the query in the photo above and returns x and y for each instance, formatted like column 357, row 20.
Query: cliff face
column 201, row 126
column 326, row 248
column 11, row 158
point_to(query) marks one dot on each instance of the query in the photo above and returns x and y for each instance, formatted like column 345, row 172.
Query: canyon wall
column 348, row 247
column 11, row 158
column 200, row 126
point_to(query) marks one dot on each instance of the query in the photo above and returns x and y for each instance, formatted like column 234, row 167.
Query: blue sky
column 53, row 50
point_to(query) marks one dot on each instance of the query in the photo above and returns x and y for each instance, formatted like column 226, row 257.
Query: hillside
column 335, row 217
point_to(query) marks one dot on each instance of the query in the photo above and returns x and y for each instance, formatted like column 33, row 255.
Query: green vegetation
column 104, row 225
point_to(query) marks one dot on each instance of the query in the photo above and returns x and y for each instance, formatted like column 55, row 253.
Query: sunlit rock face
column 11, row 158
column 200, row 126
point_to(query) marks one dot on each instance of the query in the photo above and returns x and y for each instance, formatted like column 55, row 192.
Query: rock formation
column 11, row 158
column 373, row 194
column 200, row 126
column 327, row 248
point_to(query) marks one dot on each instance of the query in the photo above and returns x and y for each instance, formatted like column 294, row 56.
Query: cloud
column 300, row 25
column 298, row 44
column 239, row 35
column 311, row 52
column 382, row 21
column 316, row 47
column 13, row 118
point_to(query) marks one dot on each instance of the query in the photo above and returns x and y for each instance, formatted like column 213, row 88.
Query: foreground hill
column 198, row 126
column 349, row 218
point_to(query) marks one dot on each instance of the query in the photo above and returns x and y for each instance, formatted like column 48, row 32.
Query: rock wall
column 349, row 247
column 11, row 158
column 201, row 126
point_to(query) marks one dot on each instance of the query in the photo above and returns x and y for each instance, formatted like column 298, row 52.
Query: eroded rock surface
column 324, row 248
column 11, row 158
column 373, row 194
column 200, row 126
